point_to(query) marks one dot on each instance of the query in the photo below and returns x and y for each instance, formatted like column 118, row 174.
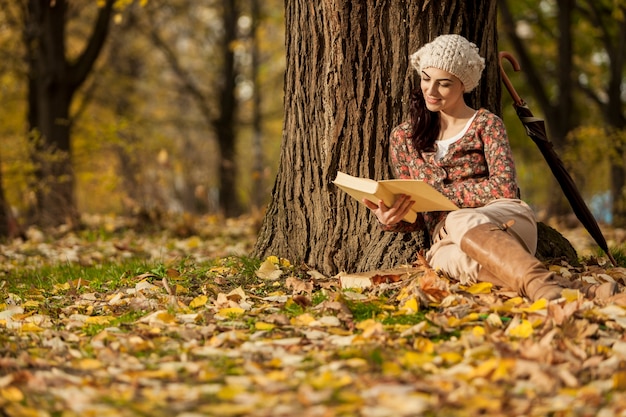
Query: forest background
column 182, row 110
column 173, row 113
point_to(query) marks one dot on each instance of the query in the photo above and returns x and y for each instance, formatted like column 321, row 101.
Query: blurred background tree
column 182, row 111
column 573, row 58
column 167, row 119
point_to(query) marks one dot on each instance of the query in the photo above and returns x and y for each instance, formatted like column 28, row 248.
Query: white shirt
column 444, row 144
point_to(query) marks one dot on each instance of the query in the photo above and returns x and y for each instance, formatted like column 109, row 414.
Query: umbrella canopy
column 535, row 128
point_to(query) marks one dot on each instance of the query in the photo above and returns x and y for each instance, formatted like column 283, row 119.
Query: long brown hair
column 425, row 126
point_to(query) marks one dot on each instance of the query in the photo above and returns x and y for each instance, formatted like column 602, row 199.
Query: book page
column 425, row 196
column 365, row 188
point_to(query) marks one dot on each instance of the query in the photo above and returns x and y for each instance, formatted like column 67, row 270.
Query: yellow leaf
column 101, row 320
column 220, row 269
column 515, row 301
column 273, row 259
column 424, row 345
column 303, row 320
column 229, row 409
column 330, row 379
column 31, row 303
column 88, row 364
column 199, row 301
column 232, row 311
column 571, row 295
column 165, row 317
column 156, row 374
column 454, row 322
column 540, row 304
column 480, row 288
column 12, row 394
column 478, row 331
column 619, row 380
column 31, row 327
column 483, row 369
column 229, row 392
column 523, row 330
column 504, row 370
column 413, row 359
column 451, row 358
column 181, row 290
column 471, row 317
column 485, row 404
column 278, row 376
column 61, row 287
column 259, row 325
column 410, row 306
column 370, row 328
column 193, row 242
column 392, row 369
column 365, row 324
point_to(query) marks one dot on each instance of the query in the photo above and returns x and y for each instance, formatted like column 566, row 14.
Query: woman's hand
column 391, row 215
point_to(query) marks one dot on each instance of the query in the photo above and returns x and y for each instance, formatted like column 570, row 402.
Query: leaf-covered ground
column 112, row 322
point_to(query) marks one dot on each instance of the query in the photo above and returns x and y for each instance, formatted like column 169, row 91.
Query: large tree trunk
column 346, row 87
column 52, row 82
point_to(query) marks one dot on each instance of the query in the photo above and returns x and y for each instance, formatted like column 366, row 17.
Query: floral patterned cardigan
column 477, row 168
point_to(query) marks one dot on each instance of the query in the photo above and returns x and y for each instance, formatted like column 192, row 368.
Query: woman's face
column 442, row 90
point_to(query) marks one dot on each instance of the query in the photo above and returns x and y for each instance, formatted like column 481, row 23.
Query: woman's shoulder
column 404, row 127
column 401, row 132
column 483, row 112
column 487, row 118
column 487, row 114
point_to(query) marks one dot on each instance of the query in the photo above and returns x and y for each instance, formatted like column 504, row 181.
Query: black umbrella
column 535, row 128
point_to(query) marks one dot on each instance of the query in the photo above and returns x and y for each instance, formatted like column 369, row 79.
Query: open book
column 425, row 196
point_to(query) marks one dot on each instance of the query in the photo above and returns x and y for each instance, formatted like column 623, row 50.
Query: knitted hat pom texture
column 454, row 54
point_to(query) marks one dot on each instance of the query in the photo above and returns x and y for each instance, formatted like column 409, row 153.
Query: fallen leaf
column 269, row 271
column 199, row 301
column 521, row 329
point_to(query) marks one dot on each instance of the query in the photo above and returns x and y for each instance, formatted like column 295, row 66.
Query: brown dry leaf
column 299, row 286
column 355, row 281
column 377, row 277
column 385, row 279
column 433, row 286
column 269, row 271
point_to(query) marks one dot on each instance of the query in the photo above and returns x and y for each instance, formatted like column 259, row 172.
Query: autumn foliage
column 109, row 321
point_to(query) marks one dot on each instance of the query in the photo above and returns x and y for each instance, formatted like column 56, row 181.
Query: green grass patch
column 405, row 319
column 100, row 277
column 363, row 310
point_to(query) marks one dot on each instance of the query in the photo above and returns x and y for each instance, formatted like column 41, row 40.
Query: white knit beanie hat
column 454, row 54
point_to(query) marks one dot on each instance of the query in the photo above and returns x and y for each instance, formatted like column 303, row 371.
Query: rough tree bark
column 346, row 83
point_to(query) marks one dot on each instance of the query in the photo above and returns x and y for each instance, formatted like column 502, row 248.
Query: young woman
column 465, row 154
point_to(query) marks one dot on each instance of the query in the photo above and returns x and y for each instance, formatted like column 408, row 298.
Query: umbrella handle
column 505, row 79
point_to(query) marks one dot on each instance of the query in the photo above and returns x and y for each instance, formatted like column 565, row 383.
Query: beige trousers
column 446, row 254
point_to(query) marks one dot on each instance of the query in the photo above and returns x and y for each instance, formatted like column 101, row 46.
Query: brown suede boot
column 486, row 276
column 507, row 260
